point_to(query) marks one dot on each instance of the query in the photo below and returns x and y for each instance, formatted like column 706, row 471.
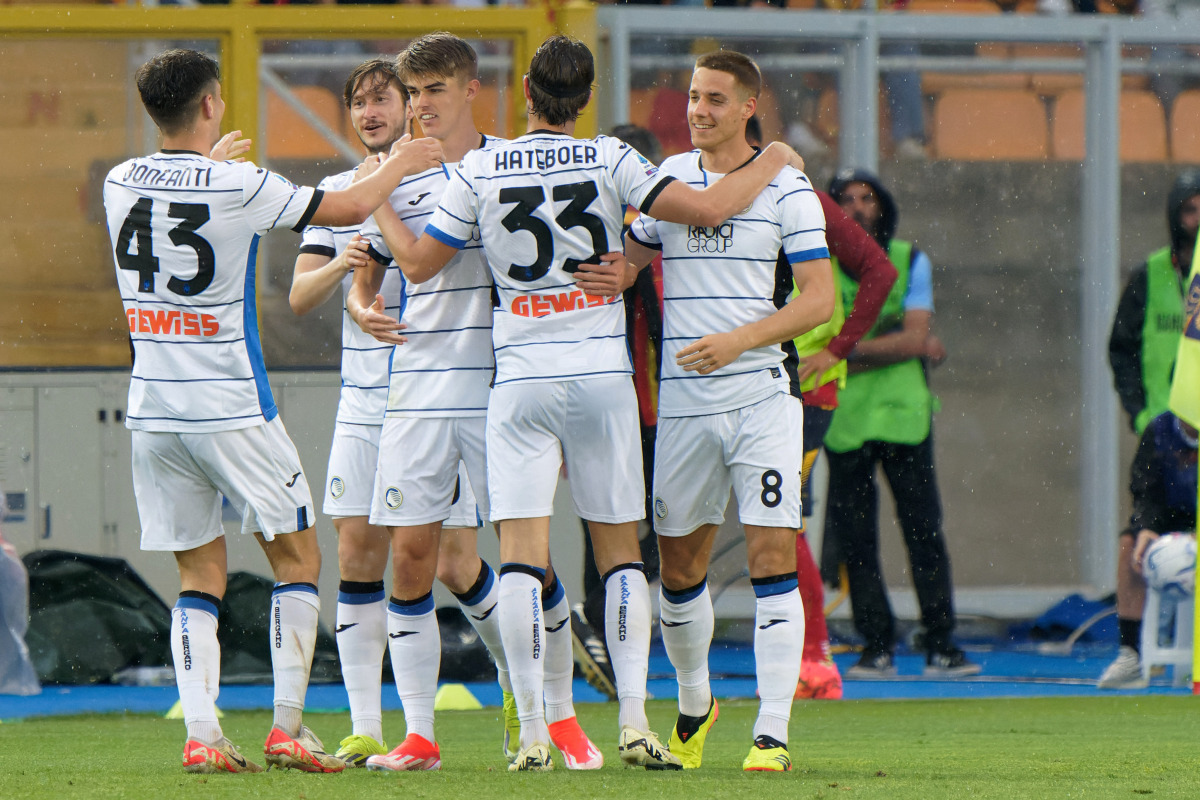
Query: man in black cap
column 884, row 416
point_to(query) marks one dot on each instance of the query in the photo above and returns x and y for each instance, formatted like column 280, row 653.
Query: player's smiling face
column 441, row 104
column 717, row 109
column 378, row 114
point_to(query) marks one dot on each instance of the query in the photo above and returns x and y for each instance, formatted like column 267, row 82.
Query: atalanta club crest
column 393, row 497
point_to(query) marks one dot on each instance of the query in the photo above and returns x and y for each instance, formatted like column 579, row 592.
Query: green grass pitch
column 1109, row 747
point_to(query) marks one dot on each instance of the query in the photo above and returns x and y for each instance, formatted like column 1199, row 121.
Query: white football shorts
column 178, row 480
column 350, row 480
column 429, row 468
column 591, row 425
column 757, row 450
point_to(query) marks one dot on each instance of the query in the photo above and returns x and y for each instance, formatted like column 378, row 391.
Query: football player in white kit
column 433, row 410
column 379, row 113
column 729, row 403
column 546, row 203
column 185, row 230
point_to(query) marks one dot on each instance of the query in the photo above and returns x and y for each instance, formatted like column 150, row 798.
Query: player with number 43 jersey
column 185, row 230
column 547, row 205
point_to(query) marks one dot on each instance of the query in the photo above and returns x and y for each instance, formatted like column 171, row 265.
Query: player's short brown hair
column 369, row 75
column 173, row 83
column 442, row 54
column 743, row 69
column 560, row 79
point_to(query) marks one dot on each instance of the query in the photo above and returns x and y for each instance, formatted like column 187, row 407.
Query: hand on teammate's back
column 230, row 148
column 613, row 275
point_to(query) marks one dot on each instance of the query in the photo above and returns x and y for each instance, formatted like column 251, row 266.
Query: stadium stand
column 1143, row 127
column 1185, row 127
column 289, row 135
column 989, row 124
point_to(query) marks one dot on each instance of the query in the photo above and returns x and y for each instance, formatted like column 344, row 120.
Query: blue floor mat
column 1015, row 672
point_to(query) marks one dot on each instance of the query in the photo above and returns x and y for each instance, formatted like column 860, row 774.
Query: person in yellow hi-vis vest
column 884, row 417
column 1141, row 351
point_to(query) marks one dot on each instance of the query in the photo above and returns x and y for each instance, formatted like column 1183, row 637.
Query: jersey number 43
column 145, row 263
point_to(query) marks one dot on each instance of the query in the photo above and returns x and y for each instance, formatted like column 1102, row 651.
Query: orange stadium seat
column 937, row 82
column 289, row 135
column 989, row 125
column 1185, row 127
column 954, row 6
column 1143, row 127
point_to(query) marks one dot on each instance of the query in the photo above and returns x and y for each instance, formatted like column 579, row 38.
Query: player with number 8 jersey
column 547, row 205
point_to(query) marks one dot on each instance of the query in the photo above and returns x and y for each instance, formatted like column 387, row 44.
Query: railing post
column 1099, row 482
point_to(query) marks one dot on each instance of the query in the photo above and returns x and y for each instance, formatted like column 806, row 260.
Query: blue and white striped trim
column 412, row 608
column 775, row 585
column 808, row 255
column 197, row 604
column 445, row 238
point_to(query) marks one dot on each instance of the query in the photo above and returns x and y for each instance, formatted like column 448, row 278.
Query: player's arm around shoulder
column 448, row 231
column 734, row 192
column 352, row 205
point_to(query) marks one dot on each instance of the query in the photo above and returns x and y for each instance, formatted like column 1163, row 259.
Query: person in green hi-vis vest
column 1141, row 350
column 884, row 417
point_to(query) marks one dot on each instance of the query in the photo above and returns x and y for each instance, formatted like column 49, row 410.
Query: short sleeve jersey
column 185, row 232
column 364, row 358
column 447, row 366
column 718, row 279
column 544, row 203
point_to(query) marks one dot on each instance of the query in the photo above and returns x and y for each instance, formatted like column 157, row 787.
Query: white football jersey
column 364, row 358
column 446, row 369
column 185, row 234
column 718, row 279
column 545, row 203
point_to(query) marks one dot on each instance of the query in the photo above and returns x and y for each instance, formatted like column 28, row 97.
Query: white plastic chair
column 1178, row 654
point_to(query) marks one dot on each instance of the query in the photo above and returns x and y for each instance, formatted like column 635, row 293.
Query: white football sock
column 197, row 656
column 560, row 660
column 361, row 639
column 479, row 603
column 778, row 643
column 521, row 626
column 415, row 644
column 627, row 632
column 295, row 608
column 687, row 629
